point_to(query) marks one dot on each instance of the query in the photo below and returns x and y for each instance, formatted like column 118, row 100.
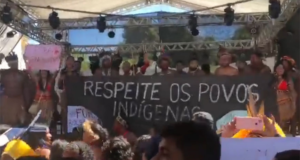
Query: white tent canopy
column 108, row 6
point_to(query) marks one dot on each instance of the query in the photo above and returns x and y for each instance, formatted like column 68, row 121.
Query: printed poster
column 43, row 57
column 77, row 116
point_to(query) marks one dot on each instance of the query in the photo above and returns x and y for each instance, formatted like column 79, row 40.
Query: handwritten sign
column 256, row 148
column 43, row 57
column 77, row 115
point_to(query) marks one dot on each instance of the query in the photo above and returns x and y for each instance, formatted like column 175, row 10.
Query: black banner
column 143, row 101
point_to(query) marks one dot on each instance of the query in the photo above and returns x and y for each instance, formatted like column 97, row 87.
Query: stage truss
column 136, row 48
column 24, row 24
column 155, row 21
column 270, row 31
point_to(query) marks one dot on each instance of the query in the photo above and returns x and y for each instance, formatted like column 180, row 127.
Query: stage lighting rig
column 111, row 34
column 58, row 36
column 54, row 20
column 11, row 34
column 6, row 15
column 101, row 24
column 229, row 15
column 274, row 8
column 193, row 25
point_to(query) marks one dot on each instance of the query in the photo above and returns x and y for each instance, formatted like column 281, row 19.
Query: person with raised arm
column 43, row 97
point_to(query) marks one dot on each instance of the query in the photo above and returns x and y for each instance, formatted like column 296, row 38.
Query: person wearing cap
column 225, row 59
column 257, row 65
column 121, row 128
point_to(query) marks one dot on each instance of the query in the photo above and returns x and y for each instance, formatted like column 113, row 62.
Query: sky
column 92, row 36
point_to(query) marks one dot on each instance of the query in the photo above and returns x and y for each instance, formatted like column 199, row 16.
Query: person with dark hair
column 117, row 148
column 206, row 69
column 194, row 67
column 153, row 147
column 121, row 128
column 256, row 65
column 94, row 135
column 80, row 59
column 164, row 64
column 179, row 68
column 189, row 141
column 78, row 150
column 225, row 58
column 140, row 147
column 70, row 68
column 203, row 117
column 286, row 96
column 289, row 65
column 242, row 67
column 288, row 155
column 43, row 97
column 17, row 95
column 77, row 66
column 57, row 149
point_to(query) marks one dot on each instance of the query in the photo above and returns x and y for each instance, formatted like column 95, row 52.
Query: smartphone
column 250, row 123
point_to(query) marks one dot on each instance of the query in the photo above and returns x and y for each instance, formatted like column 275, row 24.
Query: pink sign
column 43, row 57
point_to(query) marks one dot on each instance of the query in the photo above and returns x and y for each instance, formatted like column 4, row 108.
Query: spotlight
column 193, row 21
column 6, row 15
column 274, row 8
column 193, row 25
column 101, row 24
column 11, row 34
column 58, row 36
column 194, row 31
column 54, row 20
column 111, row 34
column 228, row 16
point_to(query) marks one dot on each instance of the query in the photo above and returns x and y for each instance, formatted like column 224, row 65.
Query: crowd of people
column 24, row 93
column 190, row 140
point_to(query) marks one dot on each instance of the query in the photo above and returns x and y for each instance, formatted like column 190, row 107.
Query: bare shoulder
column 217, row 70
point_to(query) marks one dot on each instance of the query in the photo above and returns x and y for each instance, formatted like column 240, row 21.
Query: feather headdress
column 252, row 112
column 105, row 57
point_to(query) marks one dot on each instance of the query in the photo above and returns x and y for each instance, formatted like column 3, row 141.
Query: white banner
column 77, row 115
column 256, row 148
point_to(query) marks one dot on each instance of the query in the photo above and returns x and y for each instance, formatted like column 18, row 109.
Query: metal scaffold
column 134, row 48
column 270, row 31
column 155, row 21
column 23, row 23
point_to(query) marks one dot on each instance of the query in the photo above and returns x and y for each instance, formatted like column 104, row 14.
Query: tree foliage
column 154, row 34
column 175, row 34
column 242, row 34
column 140, row 34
